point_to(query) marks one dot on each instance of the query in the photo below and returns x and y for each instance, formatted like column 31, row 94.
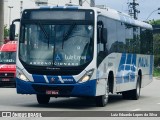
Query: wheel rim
column 138, row 89
column 138, row 86
column 106, row 94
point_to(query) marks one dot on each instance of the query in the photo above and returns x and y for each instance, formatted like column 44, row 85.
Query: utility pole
column 80, row 2
column 90, row 2
column 21, row 7
column 10, row 14
column 1, row 21
column 133, row 11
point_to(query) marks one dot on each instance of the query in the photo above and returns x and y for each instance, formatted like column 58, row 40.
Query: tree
column 154, row 22
column 6, row 32
column 156, row 44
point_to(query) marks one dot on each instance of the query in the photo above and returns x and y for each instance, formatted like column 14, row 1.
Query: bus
column 73, row 51
column 8, row 63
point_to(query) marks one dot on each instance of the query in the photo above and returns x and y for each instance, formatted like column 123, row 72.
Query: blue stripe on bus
column 50, row 7
column 126, row 69
column 45, row 7
column 121, row 68
column 151, row 67
column 133, row 74
column 72, row 7
column 38, row 78
column 64, row 79
column 54, row 79
column 79, row 89
column 68, row 79
column 59, row 7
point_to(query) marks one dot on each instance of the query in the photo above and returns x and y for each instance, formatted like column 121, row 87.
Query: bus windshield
column 52, row 44
column 7, row 57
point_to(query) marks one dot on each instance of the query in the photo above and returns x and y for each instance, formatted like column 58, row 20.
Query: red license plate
column 5, row 79
column 52, row 92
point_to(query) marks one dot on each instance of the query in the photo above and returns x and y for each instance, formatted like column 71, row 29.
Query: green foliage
column 156, row 72
column 156, row 44
column 154, row 22
column 6, row 32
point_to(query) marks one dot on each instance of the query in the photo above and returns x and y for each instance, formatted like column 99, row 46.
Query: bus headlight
column 23, row 77
column 87, row 76
column 20, row 75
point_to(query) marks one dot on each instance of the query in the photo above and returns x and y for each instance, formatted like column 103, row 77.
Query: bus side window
column 101, row 40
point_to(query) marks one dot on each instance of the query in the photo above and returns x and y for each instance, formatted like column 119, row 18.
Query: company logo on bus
column 143, row 62
column 52, row 80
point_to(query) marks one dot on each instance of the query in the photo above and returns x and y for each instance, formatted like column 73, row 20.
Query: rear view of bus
column 8, row 63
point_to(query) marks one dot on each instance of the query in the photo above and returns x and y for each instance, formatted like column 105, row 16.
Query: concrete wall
column 1, row 21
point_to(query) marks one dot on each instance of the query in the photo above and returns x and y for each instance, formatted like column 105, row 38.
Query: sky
column 146, row 7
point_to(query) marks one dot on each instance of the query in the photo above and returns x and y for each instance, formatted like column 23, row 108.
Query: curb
column 158, row 78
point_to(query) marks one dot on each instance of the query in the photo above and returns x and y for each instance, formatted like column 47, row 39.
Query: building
column 6, row 17
column 63, row 2
column 10, row 14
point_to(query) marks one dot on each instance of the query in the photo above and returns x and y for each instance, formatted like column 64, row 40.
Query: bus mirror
column 99, row 31
column 99, row 35
column 104, row 35
column 12, row 32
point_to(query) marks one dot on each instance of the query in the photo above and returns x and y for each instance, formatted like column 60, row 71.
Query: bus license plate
column 5, row 79
column 52, row 92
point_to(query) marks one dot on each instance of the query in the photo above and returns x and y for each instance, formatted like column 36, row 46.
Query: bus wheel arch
column 111, row 81
column 102, row 100
column 135, row 93
column 140, row 77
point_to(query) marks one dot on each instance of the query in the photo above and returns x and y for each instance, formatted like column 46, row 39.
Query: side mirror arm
column 12, row 29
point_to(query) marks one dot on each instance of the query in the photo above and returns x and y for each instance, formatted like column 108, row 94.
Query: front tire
column 43, row 99
column 102, row 101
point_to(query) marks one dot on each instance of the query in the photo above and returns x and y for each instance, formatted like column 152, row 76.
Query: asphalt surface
column 149, row 101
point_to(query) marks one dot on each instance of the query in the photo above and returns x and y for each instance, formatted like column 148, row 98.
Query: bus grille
column 5, row 75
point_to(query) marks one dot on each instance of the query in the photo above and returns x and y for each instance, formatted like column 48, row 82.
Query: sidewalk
column 158, row 77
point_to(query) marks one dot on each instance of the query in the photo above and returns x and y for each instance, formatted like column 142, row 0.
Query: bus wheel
column 133, row 94
column 126, row 95
column 102, row 101
column 43, row 99
column 136, row 92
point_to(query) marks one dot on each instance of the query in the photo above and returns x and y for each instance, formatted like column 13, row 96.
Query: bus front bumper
column 57, row 90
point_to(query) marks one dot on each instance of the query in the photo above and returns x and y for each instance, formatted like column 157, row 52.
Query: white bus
column 71, row 51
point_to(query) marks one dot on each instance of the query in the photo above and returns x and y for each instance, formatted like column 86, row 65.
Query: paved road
column 149, row 101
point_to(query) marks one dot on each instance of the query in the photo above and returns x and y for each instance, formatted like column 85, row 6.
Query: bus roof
column 9, row 46
column 108, row 12
column 123, row 17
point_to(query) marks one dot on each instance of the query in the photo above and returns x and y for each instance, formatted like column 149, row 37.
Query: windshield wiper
column 44, row 31
column 67, row 34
